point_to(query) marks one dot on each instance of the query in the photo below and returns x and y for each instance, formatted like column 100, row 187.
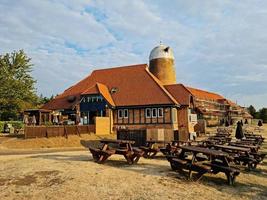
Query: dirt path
column 74, row 175
column 6, row 152
column 71, row 174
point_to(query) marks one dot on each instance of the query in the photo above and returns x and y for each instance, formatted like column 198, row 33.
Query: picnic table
column 253, row 141
column 204, row 161
column 152, row 147
column 122, row 147
column 240, row 155
column 259, row 156
column 173, row 148
column 258, row 138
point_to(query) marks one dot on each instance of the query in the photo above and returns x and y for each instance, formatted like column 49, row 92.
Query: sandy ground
column 74, row 175
column 46, row 143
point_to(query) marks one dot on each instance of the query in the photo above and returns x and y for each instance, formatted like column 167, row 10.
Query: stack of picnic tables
column 122, row 147
column 215, row 155
column 202, row 161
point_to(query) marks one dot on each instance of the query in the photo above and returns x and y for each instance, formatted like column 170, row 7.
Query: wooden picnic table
column 253, row 141
column 152, row 147
column 240, row 155
column 124, row 147
column 254, row 150
column 173, row 148
column 204, row 161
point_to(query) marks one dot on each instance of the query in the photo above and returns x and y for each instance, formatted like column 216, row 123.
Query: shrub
column 15, row 124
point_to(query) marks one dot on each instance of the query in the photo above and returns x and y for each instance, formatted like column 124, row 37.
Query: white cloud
column 218, row 45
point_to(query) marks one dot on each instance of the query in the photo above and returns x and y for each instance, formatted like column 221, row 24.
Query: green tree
column 263, row 114
column 44, row 100
column 17, row 91
column 252, row 111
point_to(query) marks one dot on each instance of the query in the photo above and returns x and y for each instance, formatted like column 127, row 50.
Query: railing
column 57, row 131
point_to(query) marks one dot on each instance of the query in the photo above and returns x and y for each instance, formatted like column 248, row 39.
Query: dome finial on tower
column 161, row 64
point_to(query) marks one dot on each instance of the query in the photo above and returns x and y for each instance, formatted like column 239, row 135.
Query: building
column 139, row 97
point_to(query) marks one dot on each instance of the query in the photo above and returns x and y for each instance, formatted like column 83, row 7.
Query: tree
column 44, row 100
column 263, row 114
column 252, row 111
column 17, row 90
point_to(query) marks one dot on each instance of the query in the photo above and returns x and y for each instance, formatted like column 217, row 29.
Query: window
column 148, row 112
column 125, row 113
column 160, row 112
column 154, row 112
column 120, row 114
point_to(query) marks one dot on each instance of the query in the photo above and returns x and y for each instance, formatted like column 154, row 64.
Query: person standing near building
column 239, row 131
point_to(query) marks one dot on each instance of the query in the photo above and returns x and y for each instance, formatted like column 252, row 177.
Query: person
column 239, row 131
column 241, row 122
column 259, row 123
column 34, row 120
column 226, row 123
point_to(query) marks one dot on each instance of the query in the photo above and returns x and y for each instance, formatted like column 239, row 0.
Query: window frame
column 125, row 111
column 150, row 114
column 160, row 110
column 120, row 111
column 156, row 112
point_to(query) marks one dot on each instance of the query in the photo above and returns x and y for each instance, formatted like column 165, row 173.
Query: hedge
column 15, row 124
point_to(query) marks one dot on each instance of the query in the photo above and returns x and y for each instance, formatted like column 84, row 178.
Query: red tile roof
column 102, row 89
column 180, row 93
column 202, row 94
column 135, row 86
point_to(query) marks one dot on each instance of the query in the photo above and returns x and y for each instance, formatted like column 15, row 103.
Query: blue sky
column 219, row 45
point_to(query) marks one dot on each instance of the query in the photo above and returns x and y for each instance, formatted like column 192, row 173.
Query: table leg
column 190, row 169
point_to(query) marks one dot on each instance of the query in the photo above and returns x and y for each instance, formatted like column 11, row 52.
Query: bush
column 15, row 124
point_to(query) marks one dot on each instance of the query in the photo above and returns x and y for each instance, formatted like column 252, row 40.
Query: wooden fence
column 57, row 131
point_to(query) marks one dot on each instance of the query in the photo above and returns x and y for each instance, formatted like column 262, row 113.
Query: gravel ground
column 74, row 175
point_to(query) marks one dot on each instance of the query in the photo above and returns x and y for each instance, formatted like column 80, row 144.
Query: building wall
column 183, row 123
column 215, row 111
column 137, row 119
column 102, row 126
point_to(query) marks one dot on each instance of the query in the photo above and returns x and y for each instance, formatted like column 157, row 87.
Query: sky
column 219, row 45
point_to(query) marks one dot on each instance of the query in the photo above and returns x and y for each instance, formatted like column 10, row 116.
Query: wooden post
column 78, row 131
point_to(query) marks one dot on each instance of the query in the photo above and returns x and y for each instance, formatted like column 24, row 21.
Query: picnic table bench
column 253, row 141
column 123, row 147
column 254, row 150
column 239, row 155
column 173, row 148
column 151, row 148
column 258, row 138
column 204, row 161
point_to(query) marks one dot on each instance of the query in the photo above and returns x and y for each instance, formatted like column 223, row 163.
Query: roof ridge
column 204, row 91
column 161, row 86
column 182, row 86
column 119, row 67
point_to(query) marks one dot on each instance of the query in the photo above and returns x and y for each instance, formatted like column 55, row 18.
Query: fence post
column 25, row 131
column 65, row 132
column 78, row 131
